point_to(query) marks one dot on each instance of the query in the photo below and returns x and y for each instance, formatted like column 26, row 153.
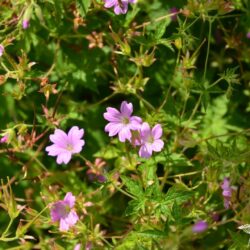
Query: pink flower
column 1, row 49
column 77, row 246
column 4, row 139
column 200, row 226
column 121, row 122
column 226, row 192
column 150, row 140
column 248, row 35
column 65, row 145
column 174, row 11
column 25, row 24
column 63, row 212
column 120, row 6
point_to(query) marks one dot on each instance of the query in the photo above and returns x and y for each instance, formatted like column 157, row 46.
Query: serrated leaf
column 161, row 28
column 83, row 6
column 177, row 194
column 134, row 206
column 132, row 186
column 166, row 43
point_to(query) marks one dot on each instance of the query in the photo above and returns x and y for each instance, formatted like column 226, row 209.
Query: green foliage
column 188, row 72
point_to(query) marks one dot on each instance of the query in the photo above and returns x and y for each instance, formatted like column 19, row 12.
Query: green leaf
column 167, row 43
column 83, row 6
column 177, row 194
column 133, row 187
column 153, row 234
column 161, row 28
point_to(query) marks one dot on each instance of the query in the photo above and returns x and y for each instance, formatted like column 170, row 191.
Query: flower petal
column 157, row 131
column 126, row 108
column 64, row 157
column 54, row 150
column 59, row 137
column 75, row 134
column 77, row 147
column 110, row 3
column 144, row 153
column 157, row 145
column 69, row 199
column 113, row 128
column 145, row 130
column 72, row 218
column 64, row 226
column 124, row 134
column 112, row 115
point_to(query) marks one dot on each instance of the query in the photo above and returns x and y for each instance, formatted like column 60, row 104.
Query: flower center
column 150, row 139
column 69, row 147
column 62, row 210
column 125, row 120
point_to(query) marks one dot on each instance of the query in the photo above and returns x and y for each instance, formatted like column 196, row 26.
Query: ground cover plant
column 124, row 124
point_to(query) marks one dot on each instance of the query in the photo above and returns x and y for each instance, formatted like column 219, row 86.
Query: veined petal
column 77, row 147
column 59, row 137
column 121, row 9
column 64, row 157
column 69, row 199
column 114, row 129
column 143, row 152
column 145, row 130
column 72, row 218
column 112, row 115
column 64, row 226
column 157, row 131
column 54, row 150
column 124, row 134
column 75, row 134
column 126, row 109
column 110, row 3
column 157, row 145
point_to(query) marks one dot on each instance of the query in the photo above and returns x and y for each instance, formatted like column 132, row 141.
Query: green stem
column 8, row 227
column 208, row 48
column 145, row 102
column 83, row 158
column 124, row 192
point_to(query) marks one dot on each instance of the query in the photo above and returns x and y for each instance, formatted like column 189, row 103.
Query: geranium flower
column 25, row 24
column 200, row 226
column 4, row 139
column 63, row 212
column 1, row 49
column 120, row 6
column 226, row 192
column 65, row 145
column 150, row 140
column 121, row 122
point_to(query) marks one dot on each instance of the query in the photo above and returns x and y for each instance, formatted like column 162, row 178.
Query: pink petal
column 126, row 109
column 157, row 145
column 59, row 137
column 64, row 226
column 64, row 158
column 113, row 128
column 110, row 3
column 54, row 150
column 70, row 199
column 77, row 148
column 121, row 9
column 124, row 134
column 72, row 218
column 144, row 153
column 145, row 130
column 112, row 115
column 157, row 131
column 75, row 134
